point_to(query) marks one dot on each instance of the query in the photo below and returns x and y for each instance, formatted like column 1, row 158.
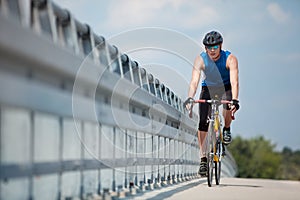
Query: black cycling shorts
column 223, row 92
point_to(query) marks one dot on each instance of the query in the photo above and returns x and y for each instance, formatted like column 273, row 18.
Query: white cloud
column 196, row 18
column 135, row 12
column 277, row 13
column 169, row 13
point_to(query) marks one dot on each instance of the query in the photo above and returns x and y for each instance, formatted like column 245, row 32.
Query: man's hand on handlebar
column 188, row 104
column 234, row 106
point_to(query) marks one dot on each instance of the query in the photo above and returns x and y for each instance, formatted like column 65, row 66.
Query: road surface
column 230, row 188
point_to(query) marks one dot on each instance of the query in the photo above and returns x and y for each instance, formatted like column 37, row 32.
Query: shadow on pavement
column 167, row 194
column 237, row 185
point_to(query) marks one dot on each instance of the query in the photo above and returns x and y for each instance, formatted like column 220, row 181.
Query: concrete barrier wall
column 78, row 118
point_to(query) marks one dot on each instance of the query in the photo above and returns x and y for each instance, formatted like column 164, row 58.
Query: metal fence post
column 59, row 156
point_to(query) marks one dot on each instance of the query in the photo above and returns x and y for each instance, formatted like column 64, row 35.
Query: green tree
column 255, row 157
column 290, row 165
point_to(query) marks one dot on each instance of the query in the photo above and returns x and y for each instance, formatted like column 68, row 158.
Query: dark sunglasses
column 212, row 47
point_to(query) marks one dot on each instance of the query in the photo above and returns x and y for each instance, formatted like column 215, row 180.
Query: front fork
column 218, row 138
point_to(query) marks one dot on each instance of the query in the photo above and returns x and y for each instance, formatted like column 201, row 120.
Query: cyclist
column 221, row 78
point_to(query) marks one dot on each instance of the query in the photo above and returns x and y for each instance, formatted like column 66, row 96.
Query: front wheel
column 210, row 167
column 218, row 164
column 210, row 160
column 210, row 157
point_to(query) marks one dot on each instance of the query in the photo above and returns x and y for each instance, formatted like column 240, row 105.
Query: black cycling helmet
column 212, row 38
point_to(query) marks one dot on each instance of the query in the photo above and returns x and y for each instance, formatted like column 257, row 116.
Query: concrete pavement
column 230, row 188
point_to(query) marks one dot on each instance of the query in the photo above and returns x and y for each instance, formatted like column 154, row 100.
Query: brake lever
column 191, row 111
column 232, row 116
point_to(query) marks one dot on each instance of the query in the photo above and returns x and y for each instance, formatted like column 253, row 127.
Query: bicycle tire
column 210, row 169
column 210, row 156
column 218, row 164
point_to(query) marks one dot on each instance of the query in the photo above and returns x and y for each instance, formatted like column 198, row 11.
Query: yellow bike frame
column 217, row 124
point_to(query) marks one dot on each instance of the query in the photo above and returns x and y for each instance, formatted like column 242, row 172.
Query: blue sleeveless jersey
column 216, row 73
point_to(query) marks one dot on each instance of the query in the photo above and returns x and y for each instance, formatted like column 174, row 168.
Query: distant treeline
column 257, row 158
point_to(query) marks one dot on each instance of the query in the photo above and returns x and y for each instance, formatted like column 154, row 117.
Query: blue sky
column 262, row 34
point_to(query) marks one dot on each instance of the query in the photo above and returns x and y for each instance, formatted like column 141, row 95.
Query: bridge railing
column 79, row 118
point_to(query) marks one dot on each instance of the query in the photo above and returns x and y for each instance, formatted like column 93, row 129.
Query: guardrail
column 78, row 117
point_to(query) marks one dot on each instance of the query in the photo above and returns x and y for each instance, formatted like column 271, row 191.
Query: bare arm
column 196, row 72
column 232, row 64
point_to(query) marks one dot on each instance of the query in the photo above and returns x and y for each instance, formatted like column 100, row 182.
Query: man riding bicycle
column 220, row 78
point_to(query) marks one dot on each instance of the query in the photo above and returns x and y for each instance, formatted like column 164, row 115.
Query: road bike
column 214, row 140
